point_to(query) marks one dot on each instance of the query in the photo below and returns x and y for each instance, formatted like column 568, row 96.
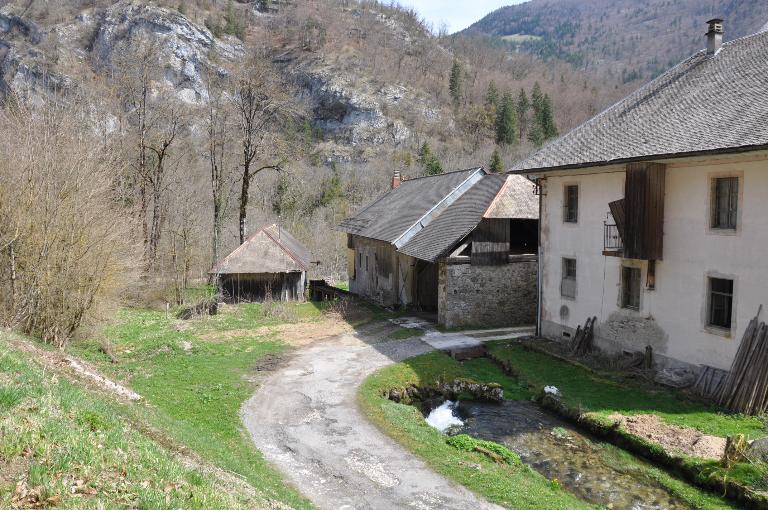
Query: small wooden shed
column 270, row 263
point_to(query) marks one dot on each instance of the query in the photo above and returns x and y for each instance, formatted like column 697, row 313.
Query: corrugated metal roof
column 271, row 249
column 394, row 213
column 705, row 104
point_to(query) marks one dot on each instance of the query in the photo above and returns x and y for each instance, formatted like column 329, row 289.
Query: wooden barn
column 271, row 263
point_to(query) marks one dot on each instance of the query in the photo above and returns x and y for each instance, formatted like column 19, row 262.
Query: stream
column 581, row 465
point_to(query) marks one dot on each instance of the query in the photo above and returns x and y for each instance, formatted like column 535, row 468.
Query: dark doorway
column 426, row 286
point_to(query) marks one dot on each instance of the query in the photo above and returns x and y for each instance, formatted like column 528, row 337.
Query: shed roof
column 706, row 104
column 271, row 249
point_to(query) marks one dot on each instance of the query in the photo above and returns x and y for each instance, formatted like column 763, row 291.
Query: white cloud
column 456, row 14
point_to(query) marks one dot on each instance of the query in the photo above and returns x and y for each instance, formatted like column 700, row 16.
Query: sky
column 457, row 14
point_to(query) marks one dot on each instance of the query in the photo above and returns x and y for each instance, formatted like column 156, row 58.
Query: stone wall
column 487, row 296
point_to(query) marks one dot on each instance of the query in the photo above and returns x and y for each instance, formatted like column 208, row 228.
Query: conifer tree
column 523, row 105
column 496, row 166
column 492, row 97
column 506, row 121
column 548, row 127
column 455, row 83
column 429, row 161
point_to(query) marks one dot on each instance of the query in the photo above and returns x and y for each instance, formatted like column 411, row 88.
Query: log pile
column 709, row 384
column 581, row 343
column 745, row 390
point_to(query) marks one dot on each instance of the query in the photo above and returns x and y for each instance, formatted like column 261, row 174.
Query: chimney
column 714, row 35
column 396, row 179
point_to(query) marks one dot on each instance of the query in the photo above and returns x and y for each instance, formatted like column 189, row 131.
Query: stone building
column 654, row 214
column 270, row 264
column 460, row 244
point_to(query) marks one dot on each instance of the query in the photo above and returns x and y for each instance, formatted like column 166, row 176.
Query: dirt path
column 306, row 421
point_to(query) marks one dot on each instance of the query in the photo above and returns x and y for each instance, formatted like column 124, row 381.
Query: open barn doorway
column 426, row 286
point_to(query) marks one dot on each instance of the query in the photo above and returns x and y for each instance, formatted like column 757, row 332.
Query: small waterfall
column 442, row 418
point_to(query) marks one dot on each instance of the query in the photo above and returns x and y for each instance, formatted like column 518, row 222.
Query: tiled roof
column 391, row 215
column 492, row 196
column 705, row 104
column 270, row 250
column 456, row 222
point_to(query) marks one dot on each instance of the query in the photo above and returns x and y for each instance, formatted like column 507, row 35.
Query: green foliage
column 455, row 82
column 496, row 166
column 429, row 161
column 10, row 396
column 331, row 190
column 234, row 23
column 543, row 126
column 506, row 121
column 469, row 444
column 523, row 106
column 492, row 98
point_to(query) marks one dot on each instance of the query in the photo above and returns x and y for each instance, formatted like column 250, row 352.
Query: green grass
column 604, row 395
column 511, row 485
column 73, row 449
column 198, row 391
column 342, row 285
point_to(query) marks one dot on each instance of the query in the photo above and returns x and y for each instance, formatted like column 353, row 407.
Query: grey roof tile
column 392, row 214
column 707, row 103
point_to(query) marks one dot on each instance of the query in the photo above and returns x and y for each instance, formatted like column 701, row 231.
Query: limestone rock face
column 182, row 47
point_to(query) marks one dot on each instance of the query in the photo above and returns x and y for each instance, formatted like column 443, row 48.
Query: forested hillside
column 162, row 133
column 622, row 40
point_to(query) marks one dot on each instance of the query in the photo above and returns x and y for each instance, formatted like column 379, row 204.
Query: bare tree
column 262, row 104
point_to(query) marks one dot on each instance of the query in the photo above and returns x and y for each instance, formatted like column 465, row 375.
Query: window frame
column 569, row 208
column 626, row 293
column 710, row 302
column 732, row 222
column 565, row 277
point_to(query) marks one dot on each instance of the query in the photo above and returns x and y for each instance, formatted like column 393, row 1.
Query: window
column 725, row 201
column 630, row 288
column 571, row 204
column 568, row 281
column 360, row 260
column 720, row 302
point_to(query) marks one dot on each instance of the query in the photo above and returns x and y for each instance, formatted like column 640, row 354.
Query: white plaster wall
column 671, row 317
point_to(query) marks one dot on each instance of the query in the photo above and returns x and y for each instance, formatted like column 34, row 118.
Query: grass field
column 197, row 373
column 509, row 485
column 65, row 447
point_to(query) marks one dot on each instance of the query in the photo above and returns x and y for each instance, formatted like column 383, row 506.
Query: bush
column 67, row 247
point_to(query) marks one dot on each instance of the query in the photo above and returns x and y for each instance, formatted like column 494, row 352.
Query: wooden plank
column 490, row 242
column 644, row 190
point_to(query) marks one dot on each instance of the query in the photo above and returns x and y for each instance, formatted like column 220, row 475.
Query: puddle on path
column 557, row 451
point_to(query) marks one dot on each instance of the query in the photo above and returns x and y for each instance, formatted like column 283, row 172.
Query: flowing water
column 549, row 445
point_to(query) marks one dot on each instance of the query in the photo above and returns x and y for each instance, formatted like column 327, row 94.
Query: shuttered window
column 630, row 288
column 725, row 200
column 568, row 281
column 720, row 302
column 571, row 204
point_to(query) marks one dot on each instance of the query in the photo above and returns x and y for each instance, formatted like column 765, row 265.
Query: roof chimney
column 396, row 179
column 714, row 35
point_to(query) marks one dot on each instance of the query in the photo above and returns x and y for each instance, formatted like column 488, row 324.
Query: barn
column 271, row 264
column 461, row 245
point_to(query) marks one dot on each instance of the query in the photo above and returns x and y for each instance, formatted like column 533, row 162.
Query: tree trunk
column 244, row 201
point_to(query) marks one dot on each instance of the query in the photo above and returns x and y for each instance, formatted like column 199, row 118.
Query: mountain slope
column 625, row 40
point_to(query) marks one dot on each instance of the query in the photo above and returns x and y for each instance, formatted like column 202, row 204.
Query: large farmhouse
column 654, row 213
column 461, row 244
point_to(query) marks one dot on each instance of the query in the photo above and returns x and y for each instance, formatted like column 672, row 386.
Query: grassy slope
column 602, row 395
column 197, row 393
column 510, row 486
column 58, row 438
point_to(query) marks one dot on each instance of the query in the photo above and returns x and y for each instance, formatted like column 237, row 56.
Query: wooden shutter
column 644, row 211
